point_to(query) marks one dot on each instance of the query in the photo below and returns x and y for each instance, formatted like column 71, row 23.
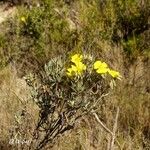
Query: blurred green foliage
column 54, row 27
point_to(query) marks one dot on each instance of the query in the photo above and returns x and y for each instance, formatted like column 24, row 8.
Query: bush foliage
column 63, row 99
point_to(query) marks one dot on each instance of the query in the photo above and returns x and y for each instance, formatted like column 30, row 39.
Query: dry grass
column 16, row 108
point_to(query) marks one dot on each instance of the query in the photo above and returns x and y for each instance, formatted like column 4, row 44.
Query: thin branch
column 102, row 124
column 114, row 130
column 112, row 133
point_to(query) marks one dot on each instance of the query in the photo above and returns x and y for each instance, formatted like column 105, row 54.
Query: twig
column 100, row 122
column 112, row 133
column 114, row 130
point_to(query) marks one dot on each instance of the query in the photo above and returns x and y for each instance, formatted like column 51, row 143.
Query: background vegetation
column 115, row 31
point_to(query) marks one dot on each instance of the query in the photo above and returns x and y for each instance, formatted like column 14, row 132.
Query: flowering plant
column 64, row 95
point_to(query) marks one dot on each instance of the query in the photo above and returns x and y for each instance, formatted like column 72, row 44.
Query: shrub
column 65, row 95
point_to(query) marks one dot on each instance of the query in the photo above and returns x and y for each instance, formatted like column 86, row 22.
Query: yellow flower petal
column 98, row 64
column 69, row 70
column 69, row 74
column 74, row 68
column 102, row 70
column 80, row 66
column 104, row 65
column 76, row 58
column 114, row 74
column 23, row 19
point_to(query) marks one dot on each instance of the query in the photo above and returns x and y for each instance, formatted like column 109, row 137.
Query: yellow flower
column 76, row 58
column 76, row 69
column 23, row 19
column 101, row 67
column 80, row 66
column 98, row 64
column 102, row 70
column 114, row 74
